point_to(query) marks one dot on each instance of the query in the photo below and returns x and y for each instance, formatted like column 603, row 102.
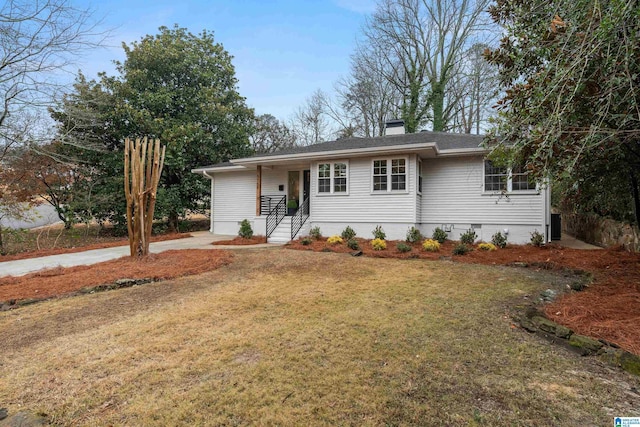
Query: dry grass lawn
column 297, row 338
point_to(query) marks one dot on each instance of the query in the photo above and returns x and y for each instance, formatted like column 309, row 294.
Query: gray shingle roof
column 444, row 141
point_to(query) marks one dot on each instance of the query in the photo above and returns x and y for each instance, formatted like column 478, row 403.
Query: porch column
column 258, row 188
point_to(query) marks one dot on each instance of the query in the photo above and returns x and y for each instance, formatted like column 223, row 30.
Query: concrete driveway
column 200, row 240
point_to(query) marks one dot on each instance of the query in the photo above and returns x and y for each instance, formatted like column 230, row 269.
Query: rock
column 528, row 325
column 585, row 344
column 519, row 264
column 5, row 307
column 24, row 419
column 563, row 332
column 359, row 253
column 548, row 295
column 544, row 324
column 3, row 413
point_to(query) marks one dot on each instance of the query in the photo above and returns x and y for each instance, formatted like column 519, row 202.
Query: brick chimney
column 394, row 127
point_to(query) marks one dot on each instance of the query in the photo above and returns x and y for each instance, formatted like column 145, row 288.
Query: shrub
column 334, row 240
column 461, row 249
column 379, row 233
column 487, row 247
column 537, row 239
column 500, row 240
column 440, row 235
column 414, row 235
column 246, row 232
column 431, row 245
column 468, row 237
column 306, row 241
column 378, row 244
column 315, row 233
column 348, row 233
column 403, row 247
column 353, row 244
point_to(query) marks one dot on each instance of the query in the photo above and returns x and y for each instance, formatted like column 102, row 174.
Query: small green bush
column 353, row 244
column 378, row 244
column 431, row 245
column 461, row 249
column 315, row 233
column 500, row 240
column 246, row 232
column 468, row 237
column 306, row 241
column 348, row 233
column 439, row 235
column 487, row 247
column 413, row 235
column 378, row 233
column 537, row 239
column 403, row 247
column 334, row 240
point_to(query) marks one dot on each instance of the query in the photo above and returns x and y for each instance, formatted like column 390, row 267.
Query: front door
column 293, row 192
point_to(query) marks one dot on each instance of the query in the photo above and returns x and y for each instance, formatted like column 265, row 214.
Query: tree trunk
column 438, row 107
column 174, row 220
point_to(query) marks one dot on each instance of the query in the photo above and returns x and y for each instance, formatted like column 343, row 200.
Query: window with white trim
column 506, row 179
column 389, row 175
column 333, row 177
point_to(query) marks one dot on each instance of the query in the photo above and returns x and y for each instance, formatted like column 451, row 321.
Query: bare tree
column 39, row 38
column 473, row 91
column 421, row 41
column 310, row 123
column 367, row 100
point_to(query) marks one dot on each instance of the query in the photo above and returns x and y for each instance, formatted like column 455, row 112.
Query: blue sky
column 283, row 49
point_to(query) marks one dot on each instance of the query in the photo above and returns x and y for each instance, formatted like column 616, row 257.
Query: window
column 506, row 179
column 379, row 175
column 520, row 180
column 390, row 171
column 332, row 177
column 495, row 178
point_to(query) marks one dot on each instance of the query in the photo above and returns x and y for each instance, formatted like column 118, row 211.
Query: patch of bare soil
column 60, row 281
column 255, row 240
column 608, row 309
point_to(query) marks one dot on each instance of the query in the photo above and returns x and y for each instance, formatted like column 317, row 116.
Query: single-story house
column 398, row 181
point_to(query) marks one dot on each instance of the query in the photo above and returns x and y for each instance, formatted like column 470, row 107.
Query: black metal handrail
column 300, row 217
column 267, row 203
column 276, row 215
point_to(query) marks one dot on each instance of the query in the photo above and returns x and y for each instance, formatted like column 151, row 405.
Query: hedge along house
column 425, row 180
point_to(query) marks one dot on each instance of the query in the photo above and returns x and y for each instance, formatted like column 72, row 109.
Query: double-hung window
column 499, row 179
column 333, row 177
column 389, row 175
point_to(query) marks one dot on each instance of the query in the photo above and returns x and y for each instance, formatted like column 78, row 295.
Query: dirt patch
column 609, row 309
column 60, row 281
column 255, row 240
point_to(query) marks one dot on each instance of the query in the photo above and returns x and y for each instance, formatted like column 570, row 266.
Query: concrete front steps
column 282, row 233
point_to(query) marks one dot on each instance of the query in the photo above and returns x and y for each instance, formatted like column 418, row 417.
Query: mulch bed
column 162, row 266
column 608, row 309
column 255, row 240
column 120, row 241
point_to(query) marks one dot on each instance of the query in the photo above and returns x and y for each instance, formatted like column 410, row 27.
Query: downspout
column 211, row 201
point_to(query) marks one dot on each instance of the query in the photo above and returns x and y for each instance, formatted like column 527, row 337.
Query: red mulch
column 119, row 242
column 255, row 240
column 609, row 309
column 59, row 281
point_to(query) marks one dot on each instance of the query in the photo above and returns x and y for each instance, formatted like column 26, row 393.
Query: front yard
column 291, row 337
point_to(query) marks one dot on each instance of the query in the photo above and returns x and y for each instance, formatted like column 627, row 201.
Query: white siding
column 271, row 179
column 361, row 204
column 233, row 199
column 453, row 194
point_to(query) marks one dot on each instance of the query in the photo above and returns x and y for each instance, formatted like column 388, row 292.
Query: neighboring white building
column 426, row 180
